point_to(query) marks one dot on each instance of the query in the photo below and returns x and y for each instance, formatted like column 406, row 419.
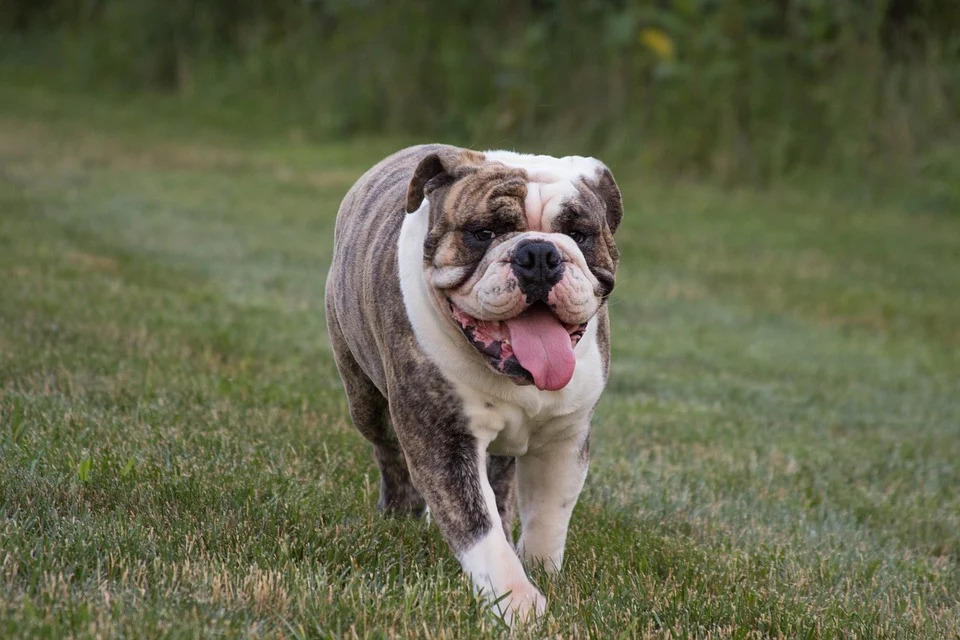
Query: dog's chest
column 524, row 422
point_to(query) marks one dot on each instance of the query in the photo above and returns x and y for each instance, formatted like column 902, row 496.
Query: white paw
column 534, row 559
column 524, row 603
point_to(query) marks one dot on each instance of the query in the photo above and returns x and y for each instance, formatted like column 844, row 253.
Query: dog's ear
column 437, row 170
column 610, row 194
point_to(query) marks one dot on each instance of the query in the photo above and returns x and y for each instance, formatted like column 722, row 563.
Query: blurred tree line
column 741, row 89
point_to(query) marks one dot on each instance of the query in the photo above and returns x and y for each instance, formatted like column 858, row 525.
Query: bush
column 741, row 90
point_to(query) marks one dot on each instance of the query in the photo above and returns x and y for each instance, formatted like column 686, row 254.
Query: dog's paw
column 523, row 603
column 550, row 561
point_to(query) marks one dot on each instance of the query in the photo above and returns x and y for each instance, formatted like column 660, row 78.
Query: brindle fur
column 398, row 399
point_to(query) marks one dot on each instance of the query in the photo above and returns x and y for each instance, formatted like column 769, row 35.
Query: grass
column 776, row 455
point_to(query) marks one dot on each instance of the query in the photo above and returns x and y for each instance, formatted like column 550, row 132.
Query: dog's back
column 364, row 264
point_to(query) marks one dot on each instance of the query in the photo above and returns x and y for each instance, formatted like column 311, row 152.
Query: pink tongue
column 543, row 347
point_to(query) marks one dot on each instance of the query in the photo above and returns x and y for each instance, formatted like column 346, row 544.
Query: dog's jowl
column 466, row 305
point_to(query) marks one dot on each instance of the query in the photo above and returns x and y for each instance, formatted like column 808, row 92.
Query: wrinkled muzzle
column 526, row 306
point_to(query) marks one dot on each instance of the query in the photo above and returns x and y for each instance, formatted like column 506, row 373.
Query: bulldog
column 466, row 307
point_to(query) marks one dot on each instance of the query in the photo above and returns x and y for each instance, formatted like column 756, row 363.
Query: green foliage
column 776, row 454
column 742, row 90
column 83, row 469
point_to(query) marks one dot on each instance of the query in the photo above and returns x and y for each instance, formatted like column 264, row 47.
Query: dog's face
column 520, row 253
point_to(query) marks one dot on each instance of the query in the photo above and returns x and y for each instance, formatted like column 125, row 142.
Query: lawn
column 777, row 453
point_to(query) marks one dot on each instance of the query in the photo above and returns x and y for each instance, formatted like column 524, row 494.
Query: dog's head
column 519, row 252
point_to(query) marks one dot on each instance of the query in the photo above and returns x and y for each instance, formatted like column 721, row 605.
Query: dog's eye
column 578, row 236
column 484, row 235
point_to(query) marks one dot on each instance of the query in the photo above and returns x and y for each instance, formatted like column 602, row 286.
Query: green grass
column 776, row 455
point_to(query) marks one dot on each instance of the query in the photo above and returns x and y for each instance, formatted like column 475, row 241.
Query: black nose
column 538, row 267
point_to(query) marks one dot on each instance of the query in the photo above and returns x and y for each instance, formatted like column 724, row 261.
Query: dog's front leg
column 493, row 564
column 451, row 474
column 549, row 482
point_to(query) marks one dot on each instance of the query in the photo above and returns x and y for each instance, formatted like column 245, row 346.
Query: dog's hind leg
column 398, row 496
column 501, row 470
column 371, row 416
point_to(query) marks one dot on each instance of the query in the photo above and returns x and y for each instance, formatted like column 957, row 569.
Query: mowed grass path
column 778, row 452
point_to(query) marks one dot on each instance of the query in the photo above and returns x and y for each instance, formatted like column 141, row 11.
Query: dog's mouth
column 532, row 347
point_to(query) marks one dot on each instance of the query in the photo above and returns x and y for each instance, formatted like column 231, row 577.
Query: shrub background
column 743, row 91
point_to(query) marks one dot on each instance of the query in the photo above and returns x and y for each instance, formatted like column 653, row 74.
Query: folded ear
column 437, row 170
column 610, row 194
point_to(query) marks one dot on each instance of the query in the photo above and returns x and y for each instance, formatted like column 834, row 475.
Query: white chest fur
column 512, row 419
